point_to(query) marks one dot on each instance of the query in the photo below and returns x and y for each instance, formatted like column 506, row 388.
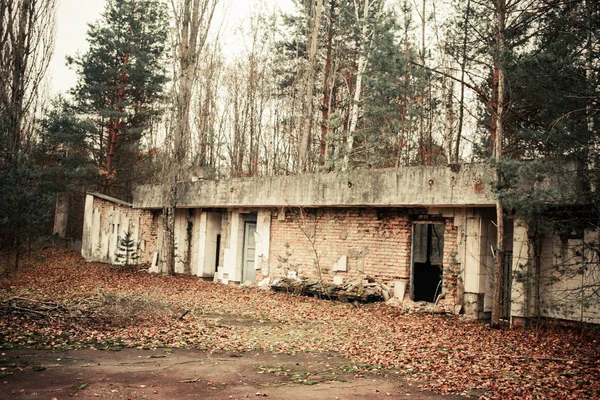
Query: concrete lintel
column 467, row 185
column 111, row 199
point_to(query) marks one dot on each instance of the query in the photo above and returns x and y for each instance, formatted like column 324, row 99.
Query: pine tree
column 393, row 82
column 127, row 251
column 120, row 86
column 62, row 152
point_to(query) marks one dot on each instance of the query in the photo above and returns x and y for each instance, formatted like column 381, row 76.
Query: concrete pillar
column 195, row 245
column 477, row 263
column 114, row 230
column 95, row 237
column 105, row 235
column 210, row 227
column 263, row 240
column 472, row 266
column 61, row 215
column 181, row 240
column 87, row 242
column 201, row 259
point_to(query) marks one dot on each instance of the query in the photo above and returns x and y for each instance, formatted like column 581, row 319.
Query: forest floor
column 152, row 336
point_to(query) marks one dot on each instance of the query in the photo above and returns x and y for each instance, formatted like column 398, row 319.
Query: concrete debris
column 417, row 307
column 292, row 275
column 364, row 291
column 265, row 284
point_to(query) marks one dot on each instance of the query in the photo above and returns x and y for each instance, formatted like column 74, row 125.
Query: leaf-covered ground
column 59, row 301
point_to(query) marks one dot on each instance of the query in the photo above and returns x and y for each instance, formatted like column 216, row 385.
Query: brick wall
column 376, row 242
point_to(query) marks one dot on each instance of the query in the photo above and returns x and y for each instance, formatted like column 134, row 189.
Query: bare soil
column 184, row 373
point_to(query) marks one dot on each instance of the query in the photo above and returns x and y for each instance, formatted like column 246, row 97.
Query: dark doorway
column 428, row 254
column 506, row 282
column 218, row 252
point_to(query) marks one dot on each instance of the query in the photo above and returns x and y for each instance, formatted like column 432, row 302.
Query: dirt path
column 183, row 374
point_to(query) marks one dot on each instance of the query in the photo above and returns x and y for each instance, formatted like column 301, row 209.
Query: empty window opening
column 428, row 253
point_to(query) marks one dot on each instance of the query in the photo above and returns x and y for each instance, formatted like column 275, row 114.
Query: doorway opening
column 218, row 255
column 249, row 252
column 506, row 282
column 427, row 256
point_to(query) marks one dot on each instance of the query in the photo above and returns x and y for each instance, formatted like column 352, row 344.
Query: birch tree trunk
column 363, row 58
column 463, row 67
column 307, row 121
column 327, row 85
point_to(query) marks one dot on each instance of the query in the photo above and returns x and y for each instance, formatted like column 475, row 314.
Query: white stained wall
column 569, row 275
column 103, row 226
column 233, row 246
column 187, row 233
column 475, row 239
column 209, row 229
column 570, row 279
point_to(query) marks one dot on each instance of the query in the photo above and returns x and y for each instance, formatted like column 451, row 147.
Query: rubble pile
column 367, row 290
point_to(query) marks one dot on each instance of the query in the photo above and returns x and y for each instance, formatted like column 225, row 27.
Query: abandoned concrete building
column 427, row 231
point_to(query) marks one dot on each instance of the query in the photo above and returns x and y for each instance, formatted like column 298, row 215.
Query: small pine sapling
column 127, row 255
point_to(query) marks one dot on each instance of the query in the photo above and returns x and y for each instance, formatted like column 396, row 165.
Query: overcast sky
column 73, row 17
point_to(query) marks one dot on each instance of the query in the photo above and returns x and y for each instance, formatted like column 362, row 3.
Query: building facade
column 429, row 230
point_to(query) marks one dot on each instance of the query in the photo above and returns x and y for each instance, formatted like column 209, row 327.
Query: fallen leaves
column 58, row 301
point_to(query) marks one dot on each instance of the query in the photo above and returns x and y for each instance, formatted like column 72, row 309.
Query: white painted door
column 248, row 267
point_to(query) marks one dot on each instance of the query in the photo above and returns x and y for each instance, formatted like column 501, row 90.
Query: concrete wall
column 568, row 281
column 187, row 240
column 473, row 257
column 61, row 215
column 210, row 227
column 464, row 185
column 232, row 240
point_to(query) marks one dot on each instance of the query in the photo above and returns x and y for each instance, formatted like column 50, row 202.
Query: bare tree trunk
column 307, row 120
column 448, row 92
column 194, row 20
column 594, row 146
column 27, row 30
column 463, row 66
column 499, row 113
column 423, row 153
column 403, row 142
